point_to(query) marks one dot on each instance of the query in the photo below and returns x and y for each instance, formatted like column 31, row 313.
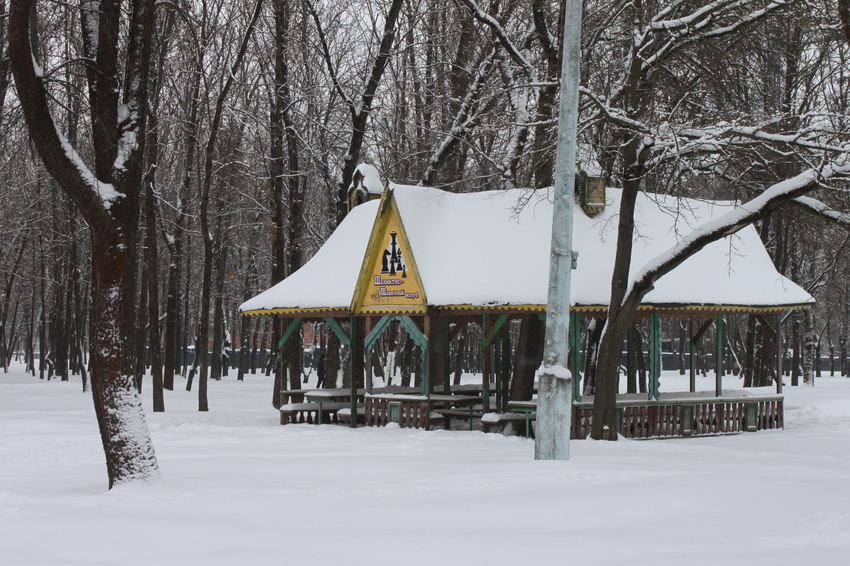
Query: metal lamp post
column 554, row 398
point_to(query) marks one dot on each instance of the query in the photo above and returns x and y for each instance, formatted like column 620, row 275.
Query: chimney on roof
column 366, row 185
column 590, row 192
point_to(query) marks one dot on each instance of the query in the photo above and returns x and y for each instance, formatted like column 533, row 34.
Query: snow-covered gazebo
column 427, row 257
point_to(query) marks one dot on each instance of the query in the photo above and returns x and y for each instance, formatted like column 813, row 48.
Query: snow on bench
column 501, row 420
column 294, row 413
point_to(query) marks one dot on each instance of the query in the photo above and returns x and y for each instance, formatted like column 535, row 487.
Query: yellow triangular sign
column 389, row 280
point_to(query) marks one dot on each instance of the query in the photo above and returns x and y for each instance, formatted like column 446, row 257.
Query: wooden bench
column 293, row 395
column 501, row 420
column 465, row 414
column 295, row 413
column 344, row 415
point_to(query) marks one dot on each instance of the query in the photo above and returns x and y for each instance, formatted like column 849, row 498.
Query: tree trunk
column 332, row 361
column 594, row 333
column 461, row 353
column 619, row 316
column 112, row 216
column 795, row 352
column 152, row 266
column 529, row 356
column 811, row 354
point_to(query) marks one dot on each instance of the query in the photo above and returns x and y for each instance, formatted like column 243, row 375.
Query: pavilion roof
column 490, row 251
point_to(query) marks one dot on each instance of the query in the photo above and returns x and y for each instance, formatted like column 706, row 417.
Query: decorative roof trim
column 341, row 311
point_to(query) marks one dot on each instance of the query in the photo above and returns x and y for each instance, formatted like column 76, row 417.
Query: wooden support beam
column 718, row 357
column 356, row 364
column 339, row 331
column 445, row 344
column 486, row 366
column 575, row 351
column 367, row 352
column 702, row 330
column 654, row 356
column 459, row 324
column 490, row 335
column 505, row 369
column 631, row 361
column 377, row 330
column 766, row 325
column 414, row 331
column 692, row 357
column 779, row 352
column 293, row 326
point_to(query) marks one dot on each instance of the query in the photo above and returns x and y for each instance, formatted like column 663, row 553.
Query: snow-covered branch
column 821, row 209
column 326, row 54
column 726, row 225
column 504, row 40
column 466, row 117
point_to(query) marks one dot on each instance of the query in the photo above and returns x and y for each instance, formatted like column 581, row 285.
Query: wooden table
column 287, row 394
column 322, row 396
column 415, row 410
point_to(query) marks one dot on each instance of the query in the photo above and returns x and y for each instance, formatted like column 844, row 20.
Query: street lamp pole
column 554, row 396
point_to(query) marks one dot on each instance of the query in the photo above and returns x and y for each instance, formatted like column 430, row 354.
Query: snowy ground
column 238, row 489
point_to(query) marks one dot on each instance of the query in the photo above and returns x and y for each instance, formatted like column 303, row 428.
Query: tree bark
column 108, row 198
column 529, row 356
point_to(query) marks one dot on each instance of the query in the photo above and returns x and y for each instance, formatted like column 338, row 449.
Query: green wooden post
column 489, row 336
column 485, row 363
column 447, row 386
column 427, row 382
column 575, row 349
column 687, row 420
column 654, row 356
column 692, row 355
column 631, row 360
column 752, row 417
column 718, row 357
column 367, row 355
column 498, row 368
column 779, row 353
column 356, row 364
column 621, row 418
column 506, row 366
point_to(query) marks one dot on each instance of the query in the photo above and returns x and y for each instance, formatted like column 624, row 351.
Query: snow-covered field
column 239, row 489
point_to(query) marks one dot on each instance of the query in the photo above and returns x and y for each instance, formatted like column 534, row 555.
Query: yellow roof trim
column 416, row 309
column 684, row 308
column 376, row 309
column 293, row 311
column 531, row 308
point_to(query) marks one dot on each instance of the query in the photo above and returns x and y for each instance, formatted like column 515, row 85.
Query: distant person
column 320, row 371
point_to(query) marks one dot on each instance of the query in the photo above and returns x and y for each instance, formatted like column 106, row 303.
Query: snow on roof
column 328, row 279
column 368, row 178
column 492, row 249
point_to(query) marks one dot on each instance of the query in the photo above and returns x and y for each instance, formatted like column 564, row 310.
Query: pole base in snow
column 554, row 413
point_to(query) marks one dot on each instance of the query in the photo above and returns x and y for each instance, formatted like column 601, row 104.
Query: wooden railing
column 686, row 417
column 408, row 413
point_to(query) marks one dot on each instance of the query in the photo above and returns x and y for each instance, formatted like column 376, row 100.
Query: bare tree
column 108, row 197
